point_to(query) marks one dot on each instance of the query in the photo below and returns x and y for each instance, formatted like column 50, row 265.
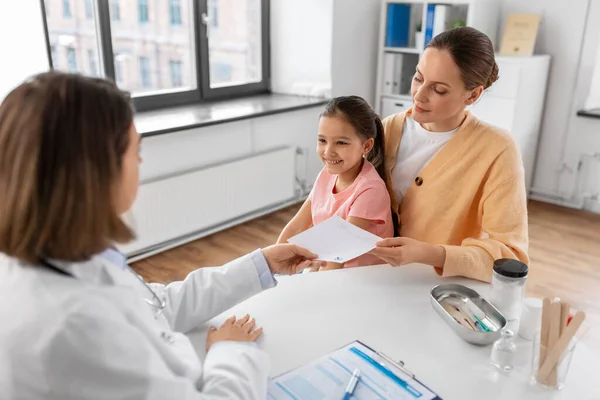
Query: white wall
column 593, row 99
column 22, row 43
column 324, row 47
column 301, row 46
column 354, row 58
column 584, row 133
column 562, row 33
column 173, row 153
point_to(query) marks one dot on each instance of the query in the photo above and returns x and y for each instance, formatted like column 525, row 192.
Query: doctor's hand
column 287, row 259
column 402, row 250
column 241, row 330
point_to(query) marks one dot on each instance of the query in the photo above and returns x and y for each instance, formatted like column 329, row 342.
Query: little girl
column 352, row 183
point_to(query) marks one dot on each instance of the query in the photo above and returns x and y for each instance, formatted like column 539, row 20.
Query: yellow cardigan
column 470, row 198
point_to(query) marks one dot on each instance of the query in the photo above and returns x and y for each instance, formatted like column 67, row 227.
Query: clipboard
column 326, row 378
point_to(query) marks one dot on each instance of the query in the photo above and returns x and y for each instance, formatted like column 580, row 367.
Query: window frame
column 203, row 92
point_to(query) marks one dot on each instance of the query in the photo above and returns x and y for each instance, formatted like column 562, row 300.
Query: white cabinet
column 516, row 103
column 391, row 106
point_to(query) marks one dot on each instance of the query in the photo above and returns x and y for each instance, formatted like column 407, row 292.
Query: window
column 118, row 69
column 175, row 73
column 93, row 62
column 71, row 59
column 213, row 13
column 54, row 56
column 68, row 38
column 145, row 79
column 66, row 8
column 173, row 58
column 235, row 53
column 143, row 11
column 115, row 10
column 220, row 72
column 175, row 12
column 89, row 9
column 147, row 49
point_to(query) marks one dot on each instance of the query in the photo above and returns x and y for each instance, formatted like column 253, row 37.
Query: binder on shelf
column 388, row 73
column 397, row 74
column 429, row 21
column 440, row 19
column 398, row 25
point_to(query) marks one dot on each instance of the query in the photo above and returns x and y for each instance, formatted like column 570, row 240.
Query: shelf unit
column 396, row 64
column 401, row 50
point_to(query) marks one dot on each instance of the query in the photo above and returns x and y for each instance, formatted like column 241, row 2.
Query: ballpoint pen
column 351, row 385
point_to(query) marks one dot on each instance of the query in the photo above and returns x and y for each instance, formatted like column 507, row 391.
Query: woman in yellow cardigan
column 458, row 183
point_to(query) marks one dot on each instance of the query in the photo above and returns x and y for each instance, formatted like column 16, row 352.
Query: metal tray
column 468, row 314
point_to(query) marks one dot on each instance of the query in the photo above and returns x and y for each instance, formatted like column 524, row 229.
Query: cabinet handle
column 399, row 104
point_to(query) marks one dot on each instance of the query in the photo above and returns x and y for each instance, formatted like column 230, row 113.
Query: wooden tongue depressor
column 565, row 309
column 555, row 354
column 564, row 316
column 458, row 316
column 544, row 331
column 553, row 335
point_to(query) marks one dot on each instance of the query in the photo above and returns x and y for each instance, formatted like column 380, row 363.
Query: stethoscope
column 155, row 302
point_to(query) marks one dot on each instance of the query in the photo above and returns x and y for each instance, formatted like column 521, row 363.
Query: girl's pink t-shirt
column 366, row 198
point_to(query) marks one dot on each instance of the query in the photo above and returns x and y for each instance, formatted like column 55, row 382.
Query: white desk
column 309, row 315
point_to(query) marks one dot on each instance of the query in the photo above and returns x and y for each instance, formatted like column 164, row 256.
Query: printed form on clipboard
column 327, row 377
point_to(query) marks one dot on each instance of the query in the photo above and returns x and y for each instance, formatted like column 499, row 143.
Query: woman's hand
column 241, row 330
column 402, row 250
column 288, row 259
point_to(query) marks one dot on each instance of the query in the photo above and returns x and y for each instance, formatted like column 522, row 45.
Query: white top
column 94, row 337
column 417, row 147
column 309, row 315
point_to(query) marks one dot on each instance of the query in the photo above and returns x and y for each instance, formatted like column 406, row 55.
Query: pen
column 351, row 385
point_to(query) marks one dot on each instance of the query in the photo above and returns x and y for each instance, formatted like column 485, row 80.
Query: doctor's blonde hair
column 62, row 141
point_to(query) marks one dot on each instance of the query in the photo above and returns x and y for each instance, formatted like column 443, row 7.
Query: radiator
column 172, row 208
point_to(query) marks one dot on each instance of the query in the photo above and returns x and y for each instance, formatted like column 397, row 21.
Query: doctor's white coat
column 95, row 337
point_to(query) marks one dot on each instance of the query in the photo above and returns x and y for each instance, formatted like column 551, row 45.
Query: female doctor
column 77, row 323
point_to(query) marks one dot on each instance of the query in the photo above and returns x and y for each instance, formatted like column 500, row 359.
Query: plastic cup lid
column 510, row 268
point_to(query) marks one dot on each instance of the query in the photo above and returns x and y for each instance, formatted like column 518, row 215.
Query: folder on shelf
column 398, row 25
column 327, row 377
column 388, row 73
column 440, row 22
column 398, row 67
column 429, row 21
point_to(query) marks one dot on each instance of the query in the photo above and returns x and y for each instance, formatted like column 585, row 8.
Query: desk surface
column 309, row 315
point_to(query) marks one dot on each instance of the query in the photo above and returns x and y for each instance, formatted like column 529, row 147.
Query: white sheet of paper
column 336, row 240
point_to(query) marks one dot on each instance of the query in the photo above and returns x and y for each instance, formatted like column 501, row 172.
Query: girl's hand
column 402, row 250
column 241, row 330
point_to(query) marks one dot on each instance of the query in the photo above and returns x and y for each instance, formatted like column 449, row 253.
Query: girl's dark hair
column 473, row 53
column 62, row 142
column 360, row 115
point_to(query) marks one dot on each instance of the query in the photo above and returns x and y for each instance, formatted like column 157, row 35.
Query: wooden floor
column 564, row 251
